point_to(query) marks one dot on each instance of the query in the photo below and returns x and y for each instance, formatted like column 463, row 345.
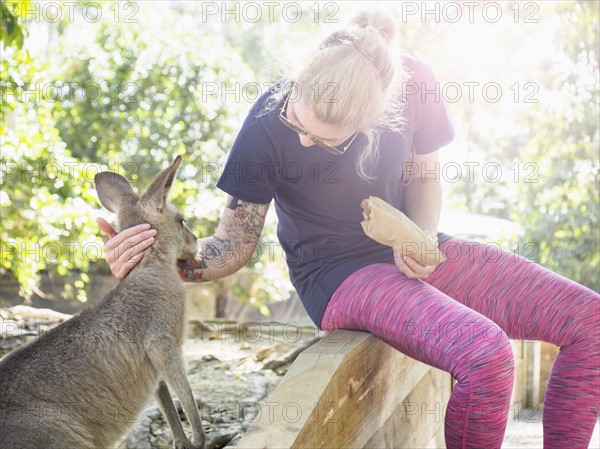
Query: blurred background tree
column 45, row 215
column 142, row 82
column 560, row 212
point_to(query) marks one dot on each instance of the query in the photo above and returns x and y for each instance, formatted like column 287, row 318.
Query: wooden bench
column 352, row 390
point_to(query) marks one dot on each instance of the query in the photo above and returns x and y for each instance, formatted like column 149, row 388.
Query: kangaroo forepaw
column 198, row 445
column 189, row 445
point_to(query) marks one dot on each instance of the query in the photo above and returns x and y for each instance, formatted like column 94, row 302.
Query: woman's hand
column 125, row 249
column 411, row 268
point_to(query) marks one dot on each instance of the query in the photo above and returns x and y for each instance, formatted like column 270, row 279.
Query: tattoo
column 247, row 222
column 191, row 270
column 211, row 251
column 242, row 224
column 217, row 252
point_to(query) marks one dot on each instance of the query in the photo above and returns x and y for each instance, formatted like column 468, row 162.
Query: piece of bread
column 388, row 226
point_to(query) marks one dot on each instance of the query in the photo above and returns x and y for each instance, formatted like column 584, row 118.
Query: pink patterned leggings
column 460, row 320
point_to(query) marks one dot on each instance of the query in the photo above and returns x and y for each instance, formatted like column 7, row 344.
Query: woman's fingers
column 127, row 266
column 422, row 271
column 130, row 234
column 411, row 268
column 130, row 251
column 125, row 249
column 402, row 266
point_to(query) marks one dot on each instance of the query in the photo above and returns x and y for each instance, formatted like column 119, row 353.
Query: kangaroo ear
column 156, row 194
column 114, row 190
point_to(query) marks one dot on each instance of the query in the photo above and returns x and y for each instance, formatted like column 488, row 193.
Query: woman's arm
column 422, row 204
column 218, row 256
column 232, row 245
column 423, row 195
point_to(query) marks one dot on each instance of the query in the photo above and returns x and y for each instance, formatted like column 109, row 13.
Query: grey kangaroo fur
column 84, row 383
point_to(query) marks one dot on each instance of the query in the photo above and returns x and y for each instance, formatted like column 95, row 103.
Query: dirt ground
column 525, row 431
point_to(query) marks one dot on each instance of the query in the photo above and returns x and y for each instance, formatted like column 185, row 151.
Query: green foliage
column 45, row 198
column 138, row 99
column 12, row 33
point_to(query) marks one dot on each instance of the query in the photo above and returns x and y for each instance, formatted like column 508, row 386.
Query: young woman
column 339, row 129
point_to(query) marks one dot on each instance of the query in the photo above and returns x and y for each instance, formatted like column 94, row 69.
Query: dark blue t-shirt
column 318, row 195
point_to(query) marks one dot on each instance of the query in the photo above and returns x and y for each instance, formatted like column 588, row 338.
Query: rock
column 218, row 440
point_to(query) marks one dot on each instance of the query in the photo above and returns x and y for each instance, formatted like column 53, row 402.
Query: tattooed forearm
column 232, row 245
column 214, row 255
column 247, row 221
column 214, row 248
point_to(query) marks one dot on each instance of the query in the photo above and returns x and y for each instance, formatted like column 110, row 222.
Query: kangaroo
column 83, row 383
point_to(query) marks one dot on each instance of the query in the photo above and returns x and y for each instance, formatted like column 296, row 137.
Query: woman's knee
column 490, row 354
column 581, row 326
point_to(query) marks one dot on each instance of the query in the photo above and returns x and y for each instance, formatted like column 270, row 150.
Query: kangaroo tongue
column 388, row 226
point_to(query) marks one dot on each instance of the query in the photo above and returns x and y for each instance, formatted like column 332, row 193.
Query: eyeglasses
column 318, row 141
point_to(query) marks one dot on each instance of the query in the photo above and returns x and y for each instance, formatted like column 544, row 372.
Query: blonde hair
column 354, row 81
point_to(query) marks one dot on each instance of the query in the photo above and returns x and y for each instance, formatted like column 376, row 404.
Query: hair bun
column 377, row 20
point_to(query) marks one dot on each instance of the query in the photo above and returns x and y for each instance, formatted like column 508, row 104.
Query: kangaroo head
column 173, row 236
